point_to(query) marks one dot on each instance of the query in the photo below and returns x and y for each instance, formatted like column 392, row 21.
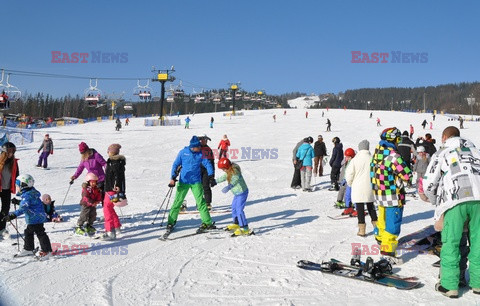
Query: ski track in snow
column 290, row 225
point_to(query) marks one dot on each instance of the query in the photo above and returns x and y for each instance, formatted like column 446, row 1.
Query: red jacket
column 14, row 176
column 224, row 144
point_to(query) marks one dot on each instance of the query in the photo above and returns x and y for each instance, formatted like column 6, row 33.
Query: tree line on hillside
column 450, row 98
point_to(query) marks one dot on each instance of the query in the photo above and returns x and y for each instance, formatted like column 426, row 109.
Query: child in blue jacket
column 31, row 205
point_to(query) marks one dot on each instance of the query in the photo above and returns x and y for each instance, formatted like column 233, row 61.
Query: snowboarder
column 187, row 122
column 35, row 217
column 305, row 154
column 49, row 206
column 114, row 190
column 190, row 159
column 358, row 177
column 320, row 150
column 454, row 188
column 388, row 171
column 406, row 149
column 223, row 147
column 91, row 196
column 236, row 183
column 329, row 124
column 424, row 123
column 8, row 173
column 207, row 153
column 211, row 122
column 93, row 162
column 336, row 163
column 47, row 146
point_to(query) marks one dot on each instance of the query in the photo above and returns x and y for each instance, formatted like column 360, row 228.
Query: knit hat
column 114, row 148
column 194, row 142
column 363, row 145
column 420, row 149
column 83, row 147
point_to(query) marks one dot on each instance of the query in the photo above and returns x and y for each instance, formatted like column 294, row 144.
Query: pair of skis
column 217, row 232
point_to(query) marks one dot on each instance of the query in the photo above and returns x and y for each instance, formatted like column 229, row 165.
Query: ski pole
column 16, row 223
column 166, row 208
column 66, row 194
column 169, row 193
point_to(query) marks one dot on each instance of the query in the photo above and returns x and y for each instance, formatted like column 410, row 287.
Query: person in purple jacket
column 93, row 162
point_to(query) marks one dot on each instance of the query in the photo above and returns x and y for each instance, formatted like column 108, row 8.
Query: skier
column 211, row 122
column 190, row 159
column 336, row 163
column 433, row 117
column 47, row 146
column 49, row 206
column 296, row 180
column 411, row 131
column 187, row 122
column 329, row 124
column 32, row 207
column 388, row 171
column 284, row 112
column 207, row 154
column 127, row 121
column 371, row 115
column 320, row 150
column 236, row 183
column 452, row 182
column 424, row 123
column 114, row 190
column 323, row 114
column 306, row 114
column 91, row 196
column 378, row 122
column 223, row 147
column 358, row 177
column 8, row 173
column 431, row 125
column 305, row 154
column 118, row 125
column 93, row 162
column 274, row 118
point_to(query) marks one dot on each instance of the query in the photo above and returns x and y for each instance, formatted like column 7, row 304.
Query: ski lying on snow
column 213, row 211
column 166, row 235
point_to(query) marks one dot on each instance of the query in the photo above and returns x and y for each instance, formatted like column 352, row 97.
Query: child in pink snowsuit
column 114, row 190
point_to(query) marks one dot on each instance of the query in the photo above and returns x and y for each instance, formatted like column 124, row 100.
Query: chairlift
column 246, row 97
column 217, row 98
column 238, row 96
column 144, row 93
column 128, row 107
column 93, row 95
column 8, row 92
column 228, row 98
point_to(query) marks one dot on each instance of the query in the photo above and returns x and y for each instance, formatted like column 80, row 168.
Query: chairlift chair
column 93, row 95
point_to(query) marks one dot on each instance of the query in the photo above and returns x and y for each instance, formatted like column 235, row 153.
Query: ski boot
column 204, row 227
column 43, row 255
column 109, row 236
column 184, row 206
column 339, row 204
column 232, row 227
column 90, row 230
column 245, row 231
column 209, row 206
column 80, row 231
column 348, row 211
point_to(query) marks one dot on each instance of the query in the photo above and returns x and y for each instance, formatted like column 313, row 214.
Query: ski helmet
column 9, row 147
column 224, row 163
column 336, row 140
column 24, row 181
column 391, row 134
column 350, row 152
column 91, row 177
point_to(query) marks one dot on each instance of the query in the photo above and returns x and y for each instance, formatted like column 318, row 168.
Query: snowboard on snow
column 423, row 239
column 358, row 273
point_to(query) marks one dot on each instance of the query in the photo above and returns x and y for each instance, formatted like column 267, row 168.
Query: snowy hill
column 139, row 269
column 303, row 102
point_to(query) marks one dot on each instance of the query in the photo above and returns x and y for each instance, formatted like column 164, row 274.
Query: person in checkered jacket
column 389, row 173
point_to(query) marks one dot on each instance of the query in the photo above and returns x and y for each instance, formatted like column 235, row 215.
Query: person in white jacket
column 452, row 182
column 358, row 177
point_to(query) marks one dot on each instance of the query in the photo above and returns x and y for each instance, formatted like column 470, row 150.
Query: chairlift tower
column 471, row 102
column 234, row 87
column 162, row 76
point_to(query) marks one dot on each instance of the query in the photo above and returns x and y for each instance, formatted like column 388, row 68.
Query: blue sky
column 279, row 46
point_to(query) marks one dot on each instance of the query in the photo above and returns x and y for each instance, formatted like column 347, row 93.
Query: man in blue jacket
column 189, row 160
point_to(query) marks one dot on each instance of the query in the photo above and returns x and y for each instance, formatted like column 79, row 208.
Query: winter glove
column 10, row 217
column 227, row 188
column 38, row 151
column 212, row 180
column 71, row 182
column 51, row 152
column 172, row 183
column 16, row 201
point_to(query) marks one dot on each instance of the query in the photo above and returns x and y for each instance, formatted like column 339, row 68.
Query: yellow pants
column 388, row 227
